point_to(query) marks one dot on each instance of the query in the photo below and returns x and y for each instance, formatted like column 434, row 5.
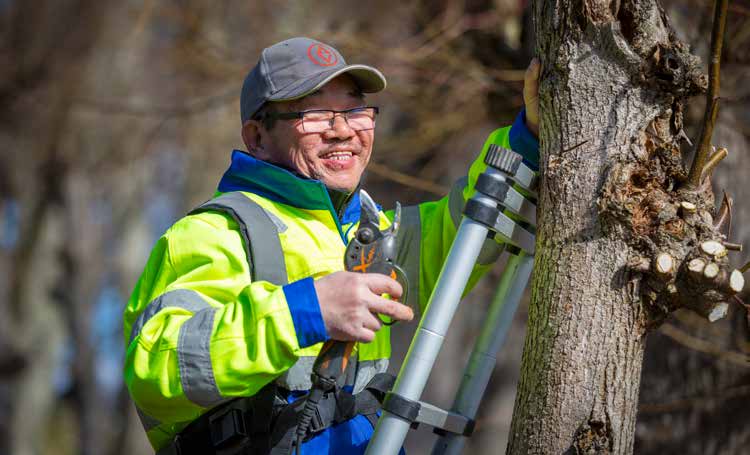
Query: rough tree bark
column 618, row 225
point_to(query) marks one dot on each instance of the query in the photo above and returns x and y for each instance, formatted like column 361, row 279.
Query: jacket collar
column 250, row 174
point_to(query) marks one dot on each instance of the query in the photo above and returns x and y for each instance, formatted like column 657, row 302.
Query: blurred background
column 118, row 117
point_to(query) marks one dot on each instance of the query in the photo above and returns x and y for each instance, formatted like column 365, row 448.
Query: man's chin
column 346, row 184
column 339, row 187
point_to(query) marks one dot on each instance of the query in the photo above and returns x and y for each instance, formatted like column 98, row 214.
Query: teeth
column 339, row 156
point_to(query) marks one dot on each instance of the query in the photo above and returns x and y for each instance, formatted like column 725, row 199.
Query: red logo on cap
column 322, row 55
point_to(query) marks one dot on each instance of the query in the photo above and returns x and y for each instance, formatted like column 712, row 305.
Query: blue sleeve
column 524, row 142
column 305, row 309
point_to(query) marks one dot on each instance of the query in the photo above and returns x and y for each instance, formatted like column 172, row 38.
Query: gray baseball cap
column 297, row 67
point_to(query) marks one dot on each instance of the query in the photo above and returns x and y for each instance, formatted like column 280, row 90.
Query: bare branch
column 713, row 162
column 388, row 173
column 704, row 346
column 732, row 246
column 189, row 108
column 712, row 95
column 694, row 402
column 724, row 217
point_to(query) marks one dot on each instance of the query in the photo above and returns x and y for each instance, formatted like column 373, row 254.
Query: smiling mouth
column 339, row 156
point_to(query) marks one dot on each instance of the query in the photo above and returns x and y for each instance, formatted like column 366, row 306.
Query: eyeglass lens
column 319, row 121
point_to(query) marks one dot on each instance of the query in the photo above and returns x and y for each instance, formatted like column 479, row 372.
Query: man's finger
column 382, row 284
column 371, row 322
column 392, row 309
column 365, row 335
column 531, row 80
column 531, row 95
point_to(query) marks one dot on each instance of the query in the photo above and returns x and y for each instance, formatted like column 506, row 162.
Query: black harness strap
column 266, row 425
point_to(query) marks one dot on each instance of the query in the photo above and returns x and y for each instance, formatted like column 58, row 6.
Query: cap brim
column 367, row 78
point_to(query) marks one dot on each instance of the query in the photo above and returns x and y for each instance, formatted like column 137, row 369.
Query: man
column 220, row 312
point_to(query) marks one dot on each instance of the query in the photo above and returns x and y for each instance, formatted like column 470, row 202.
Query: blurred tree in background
column 116, row 118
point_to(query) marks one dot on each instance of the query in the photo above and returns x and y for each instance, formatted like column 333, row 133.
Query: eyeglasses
column 320, row 120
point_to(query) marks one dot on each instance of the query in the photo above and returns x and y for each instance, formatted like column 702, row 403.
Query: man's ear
column 254, row 135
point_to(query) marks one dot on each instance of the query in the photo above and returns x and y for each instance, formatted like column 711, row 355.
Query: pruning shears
column 370, row 251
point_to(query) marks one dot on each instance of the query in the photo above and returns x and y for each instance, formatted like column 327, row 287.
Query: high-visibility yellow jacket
column 198, row 331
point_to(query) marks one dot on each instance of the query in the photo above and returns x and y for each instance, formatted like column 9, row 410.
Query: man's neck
column 340, row 199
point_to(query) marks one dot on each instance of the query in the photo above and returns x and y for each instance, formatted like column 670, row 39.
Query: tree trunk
column 612, row 84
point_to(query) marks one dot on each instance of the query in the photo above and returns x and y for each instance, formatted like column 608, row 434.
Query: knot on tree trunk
column 593, row 437
column 681, row 249
column 666, row 61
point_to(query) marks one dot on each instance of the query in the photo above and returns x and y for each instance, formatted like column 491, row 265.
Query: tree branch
column 712, row 95
column 388, row 173
column 706, row 347
column 691, row 402
column 713, row 162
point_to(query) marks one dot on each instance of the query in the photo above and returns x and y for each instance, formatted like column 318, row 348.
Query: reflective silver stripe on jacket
column 181, row 298
column 358, row 374
column 366, row 370
column 260, row 230
column 490, row 248
column 194, row 359
column 193, row 344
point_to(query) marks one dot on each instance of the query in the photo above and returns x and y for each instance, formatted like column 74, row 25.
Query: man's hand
column 350, row 301
column 531, row 95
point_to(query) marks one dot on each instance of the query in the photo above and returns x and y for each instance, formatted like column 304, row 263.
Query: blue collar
column 250, row 174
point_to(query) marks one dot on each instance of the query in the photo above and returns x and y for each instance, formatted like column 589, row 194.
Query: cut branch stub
column 718, row 311
column 711, row 270
column 736, row 281
column 714, row 248
column 696, row 267
column 664, row 265
column 688, row 207
column 713, row 311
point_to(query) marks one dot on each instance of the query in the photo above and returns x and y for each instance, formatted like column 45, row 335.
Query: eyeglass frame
column 301, row 115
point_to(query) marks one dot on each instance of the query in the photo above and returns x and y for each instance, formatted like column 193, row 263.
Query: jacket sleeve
column 428, row 229
column 198, row 332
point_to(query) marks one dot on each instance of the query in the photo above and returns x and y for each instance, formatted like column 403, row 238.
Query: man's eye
column 318, row 116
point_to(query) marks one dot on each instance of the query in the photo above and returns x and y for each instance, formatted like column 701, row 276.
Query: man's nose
column 339, row 129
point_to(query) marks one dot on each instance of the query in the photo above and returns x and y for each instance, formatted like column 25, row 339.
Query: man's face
column 338, row 156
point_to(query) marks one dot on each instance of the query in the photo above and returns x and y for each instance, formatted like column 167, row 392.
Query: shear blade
column 369, row 213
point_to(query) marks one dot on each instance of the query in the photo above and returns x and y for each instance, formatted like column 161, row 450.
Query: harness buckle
column 227, row 428
column 317, row 423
